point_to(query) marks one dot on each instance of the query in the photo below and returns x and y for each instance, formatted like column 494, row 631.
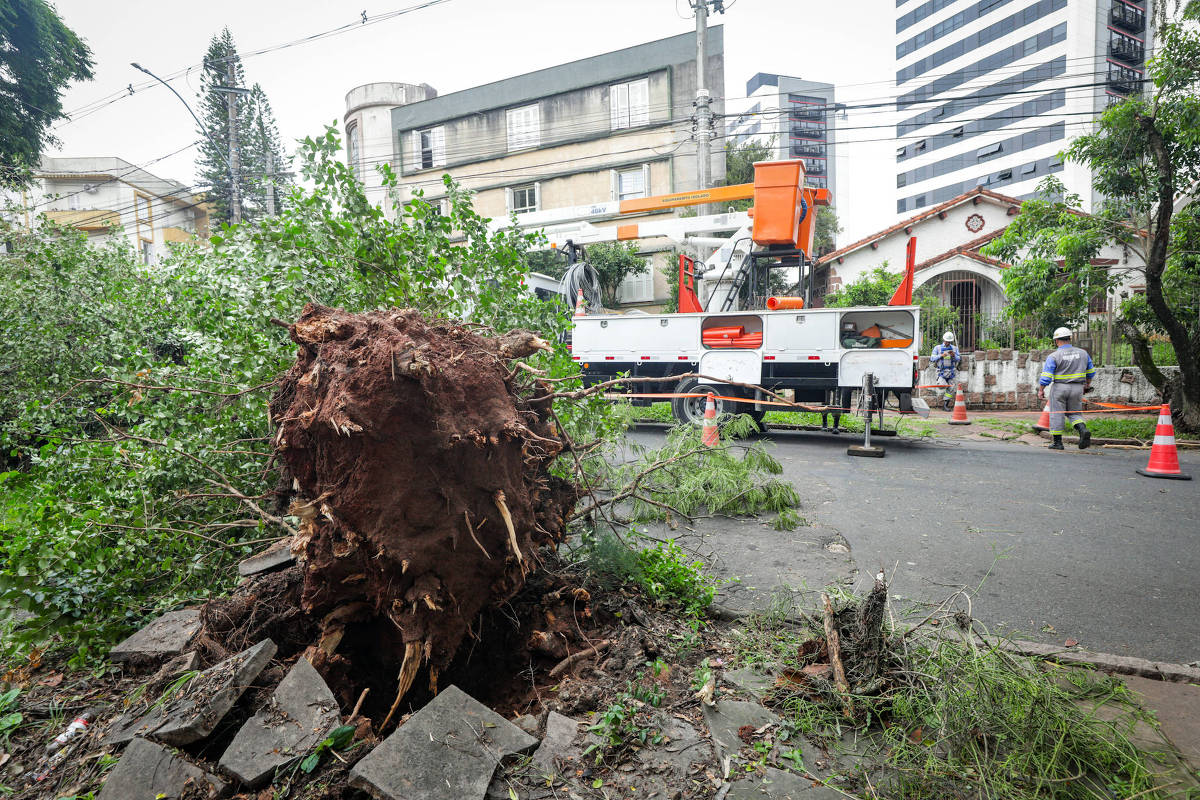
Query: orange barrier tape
column 1121, row 406
column 793, row 406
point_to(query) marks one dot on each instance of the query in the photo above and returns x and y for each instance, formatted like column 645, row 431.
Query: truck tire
column 690, row 410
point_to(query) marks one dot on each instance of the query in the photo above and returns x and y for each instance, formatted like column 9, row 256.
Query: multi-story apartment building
column 798, row 115
column 610, row 127
column 111, row 197
column 991, row 91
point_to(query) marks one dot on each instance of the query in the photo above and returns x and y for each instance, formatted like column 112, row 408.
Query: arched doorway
column 964, row 295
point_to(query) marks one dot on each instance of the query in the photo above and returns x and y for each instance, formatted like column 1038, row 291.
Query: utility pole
column 270, row 176
column 235, row 205
column 703, row 110
column 704, row 118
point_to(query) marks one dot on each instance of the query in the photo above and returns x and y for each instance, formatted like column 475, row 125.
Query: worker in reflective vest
column 1067, row 375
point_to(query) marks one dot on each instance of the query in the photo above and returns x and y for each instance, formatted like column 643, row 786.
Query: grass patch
column 1130, row 428
column 1017, row 426
column 946, row 715
column 667, row 574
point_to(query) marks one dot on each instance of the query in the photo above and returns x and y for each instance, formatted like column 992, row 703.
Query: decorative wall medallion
column 975, row 223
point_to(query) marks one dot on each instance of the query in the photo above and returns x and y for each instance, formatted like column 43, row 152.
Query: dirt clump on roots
column 421, row 479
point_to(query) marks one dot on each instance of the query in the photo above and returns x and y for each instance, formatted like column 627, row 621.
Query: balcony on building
column 1127, row 17
column 801, row 149
column 808, row 112
column 1126, row 48
column 1124, row 80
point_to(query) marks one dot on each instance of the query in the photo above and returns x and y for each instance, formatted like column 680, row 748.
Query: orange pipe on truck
column 784, row 303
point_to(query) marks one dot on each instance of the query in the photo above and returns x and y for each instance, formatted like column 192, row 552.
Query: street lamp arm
column 207, row 135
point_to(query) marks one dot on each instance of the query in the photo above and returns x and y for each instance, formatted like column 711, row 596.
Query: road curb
column 1109, row 662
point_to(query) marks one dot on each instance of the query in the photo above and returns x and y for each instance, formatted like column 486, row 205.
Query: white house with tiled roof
column 949, row 237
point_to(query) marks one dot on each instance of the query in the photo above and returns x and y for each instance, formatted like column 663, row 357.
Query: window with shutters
column 429, row 148
column 524, row 127
column 637, row 288
column 629, row 104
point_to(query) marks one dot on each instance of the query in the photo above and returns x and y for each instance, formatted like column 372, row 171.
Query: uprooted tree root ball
column 421, row 478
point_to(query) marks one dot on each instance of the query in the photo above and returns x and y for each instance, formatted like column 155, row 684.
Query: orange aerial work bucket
column 784, row 303
column 777, row 192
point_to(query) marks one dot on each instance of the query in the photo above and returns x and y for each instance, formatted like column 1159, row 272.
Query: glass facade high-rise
column 989, row 92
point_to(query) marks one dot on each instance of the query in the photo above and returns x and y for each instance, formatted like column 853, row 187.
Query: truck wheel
column 690, row 410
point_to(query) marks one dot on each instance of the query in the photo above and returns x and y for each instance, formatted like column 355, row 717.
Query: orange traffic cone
column 580, row 308
column 1164, row 458
column 710, row 436
column 959, row 415
column 1043, row 423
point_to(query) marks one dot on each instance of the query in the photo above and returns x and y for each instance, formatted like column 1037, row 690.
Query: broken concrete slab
column 299, row 714
column 149, row 771
column 446, row 751
column 682, row 747
column 207, row 698
column 778, row 784
column 201, row 704
column 748, row 680
column 277, row 555
column 728, row 717
column 558, row 745
column 166, row 636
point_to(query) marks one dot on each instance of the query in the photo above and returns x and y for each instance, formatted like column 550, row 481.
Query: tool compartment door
column 742, row 366
column 892, row 368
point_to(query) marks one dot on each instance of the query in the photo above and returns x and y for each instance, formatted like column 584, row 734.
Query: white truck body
column 801, row 349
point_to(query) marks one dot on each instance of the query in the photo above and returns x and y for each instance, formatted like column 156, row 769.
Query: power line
column 90, row 108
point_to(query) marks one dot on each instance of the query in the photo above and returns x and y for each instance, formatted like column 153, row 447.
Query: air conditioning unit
column 90, row 189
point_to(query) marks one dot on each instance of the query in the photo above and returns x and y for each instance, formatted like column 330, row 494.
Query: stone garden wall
column 1007, row 379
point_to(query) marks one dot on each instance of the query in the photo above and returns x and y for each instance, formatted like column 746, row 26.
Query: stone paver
column 209, row 696
column 277, row 555
column 300, row 713
column 558, row 743
column 166, row 636
column 446, row 751
column 201, row 704
column 779, row 784
column 149, row 771
column 749, row 680
column 1177, row 707
column 728, row 717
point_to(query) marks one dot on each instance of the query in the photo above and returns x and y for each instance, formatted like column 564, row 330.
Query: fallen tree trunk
column 421, row 479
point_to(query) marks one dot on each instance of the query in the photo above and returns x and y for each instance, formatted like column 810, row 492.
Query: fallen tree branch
column 834, row 647
column 156, row 387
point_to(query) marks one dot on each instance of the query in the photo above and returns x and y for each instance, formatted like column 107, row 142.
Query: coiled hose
column 581, row 276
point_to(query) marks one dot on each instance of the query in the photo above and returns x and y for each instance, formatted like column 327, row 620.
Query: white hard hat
column 947, row 337
column 1062, row 333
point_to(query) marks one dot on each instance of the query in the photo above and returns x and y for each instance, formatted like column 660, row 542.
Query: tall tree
column 266, row 160
column 261, row 163
column 39, row 56
column 1145, row 159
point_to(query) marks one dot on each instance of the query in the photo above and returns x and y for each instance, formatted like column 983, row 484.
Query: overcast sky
column 453, row 46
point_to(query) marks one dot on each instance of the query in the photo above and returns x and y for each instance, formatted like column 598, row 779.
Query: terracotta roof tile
column 1002, row 199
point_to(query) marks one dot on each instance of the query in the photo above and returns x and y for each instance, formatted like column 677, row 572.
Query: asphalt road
column 1071, row 545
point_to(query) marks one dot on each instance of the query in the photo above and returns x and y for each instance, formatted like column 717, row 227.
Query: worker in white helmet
column 945, row 358
column 1067, row 374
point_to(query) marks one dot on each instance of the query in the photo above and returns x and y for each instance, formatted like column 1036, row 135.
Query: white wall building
column 949, row 238
column 991, row 91
column 111, row 197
